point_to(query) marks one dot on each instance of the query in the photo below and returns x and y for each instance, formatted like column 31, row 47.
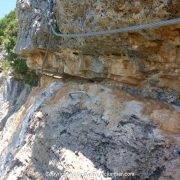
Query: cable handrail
column 133, row 28
column 153, row 25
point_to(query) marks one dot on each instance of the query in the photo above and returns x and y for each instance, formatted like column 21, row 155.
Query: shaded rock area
column 13, row 94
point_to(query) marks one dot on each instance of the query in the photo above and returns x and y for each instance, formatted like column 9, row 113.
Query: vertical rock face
column 84, row 130
column 106, row 106
column 147, row 58
column 13, row 94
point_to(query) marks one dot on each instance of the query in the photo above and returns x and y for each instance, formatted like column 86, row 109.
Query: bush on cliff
column 8, row 37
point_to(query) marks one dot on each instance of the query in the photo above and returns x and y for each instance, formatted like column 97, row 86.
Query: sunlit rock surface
column 140, row 59
column 68, row 129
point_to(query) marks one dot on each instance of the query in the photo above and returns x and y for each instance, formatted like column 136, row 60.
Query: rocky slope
column 105, row 105
column 68, row 129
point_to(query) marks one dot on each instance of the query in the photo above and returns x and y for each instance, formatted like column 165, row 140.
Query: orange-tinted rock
column 143, row 58
column 168, row 121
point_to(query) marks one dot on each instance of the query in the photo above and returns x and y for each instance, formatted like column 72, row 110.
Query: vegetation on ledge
column 8, row 38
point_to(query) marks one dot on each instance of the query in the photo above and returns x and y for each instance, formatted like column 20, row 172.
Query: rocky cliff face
column 13, row 94
column 81, row 130
column 148, row 59
column 105, row 105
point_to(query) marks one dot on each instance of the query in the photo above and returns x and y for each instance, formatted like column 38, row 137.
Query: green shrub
column 8, row 38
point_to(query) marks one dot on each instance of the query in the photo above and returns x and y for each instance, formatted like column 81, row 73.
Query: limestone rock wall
column 148, row 58
column 72, row 130
column 13, row 94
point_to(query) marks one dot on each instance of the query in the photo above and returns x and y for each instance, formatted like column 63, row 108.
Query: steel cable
column 133, row 28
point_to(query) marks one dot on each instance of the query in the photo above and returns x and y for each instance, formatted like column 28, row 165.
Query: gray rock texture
column 88, row 131
column 13, row 94
column 142, row 60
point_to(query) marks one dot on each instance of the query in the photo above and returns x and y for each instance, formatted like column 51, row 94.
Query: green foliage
column 8, row 30
column 8, row 38
column 5, row 65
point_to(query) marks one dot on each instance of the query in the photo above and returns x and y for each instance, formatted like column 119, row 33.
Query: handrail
column 133, row 28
